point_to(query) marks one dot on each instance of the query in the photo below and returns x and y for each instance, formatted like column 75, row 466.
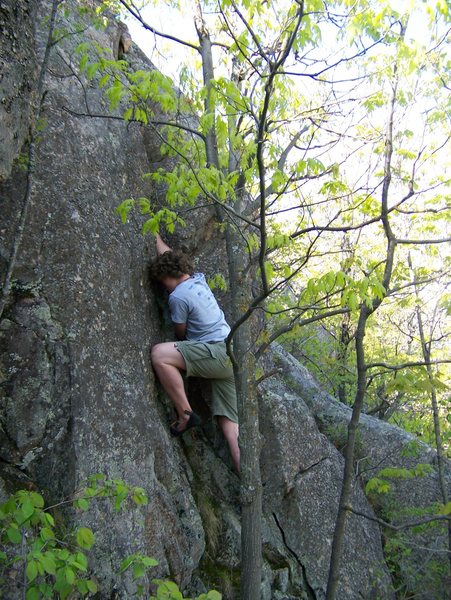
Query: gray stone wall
column 18, row 74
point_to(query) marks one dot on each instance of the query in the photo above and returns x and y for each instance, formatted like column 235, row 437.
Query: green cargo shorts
column 211, row 361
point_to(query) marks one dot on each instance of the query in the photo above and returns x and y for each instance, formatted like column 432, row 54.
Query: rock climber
column 201, row 329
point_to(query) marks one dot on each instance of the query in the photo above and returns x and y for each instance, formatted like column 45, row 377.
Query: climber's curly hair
column 174, row 263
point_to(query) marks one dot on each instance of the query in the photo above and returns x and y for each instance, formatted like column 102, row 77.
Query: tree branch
column 135, row 12
column 398, row 527
column 406, row 365
column 150, row 122
column 423, row 242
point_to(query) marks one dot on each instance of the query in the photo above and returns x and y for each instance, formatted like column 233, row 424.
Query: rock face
column 18, row 74
column 78, row 395
column 420, row 556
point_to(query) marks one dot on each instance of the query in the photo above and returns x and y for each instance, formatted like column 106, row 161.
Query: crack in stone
column 310, row 467
column 301, row 472
column 310, row 591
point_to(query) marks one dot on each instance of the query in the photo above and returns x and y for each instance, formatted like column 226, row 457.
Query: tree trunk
column 344, row 504
column 426, row 351
column 243, row 364
column 342, row 357
column 251, row 487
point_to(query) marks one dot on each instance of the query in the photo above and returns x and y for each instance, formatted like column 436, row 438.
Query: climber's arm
column 180, row 330
column 162, row 247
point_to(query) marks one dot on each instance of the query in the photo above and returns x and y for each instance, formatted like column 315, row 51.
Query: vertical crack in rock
column 310, row 591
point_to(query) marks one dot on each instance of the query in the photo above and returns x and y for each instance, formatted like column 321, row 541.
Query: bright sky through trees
column 169, row 56
column 344, row 88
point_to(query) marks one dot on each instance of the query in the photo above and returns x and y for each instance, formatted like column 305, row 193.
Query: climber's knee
column 156, row 354
column 166, row 354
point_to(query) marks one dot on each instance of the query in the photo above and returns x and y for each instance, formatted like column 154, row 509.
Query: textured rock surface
column 302, row 473
column 78, row 395
column 381, row 445
column 18, row 73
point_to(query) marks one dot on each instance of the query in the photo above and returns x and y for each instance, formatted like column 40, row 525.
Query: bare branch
column 407, row 365
column 300, row 322
column 135, row 12
column 399, row 527
column 150, row 122
column 424, row 242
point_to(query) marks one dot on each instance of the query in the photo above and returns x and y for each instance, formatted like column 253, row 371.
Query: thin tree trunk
column 342, row 357
column 426, row 351
column 251, row 486
column 344, row 504
column 18, row 235
column 243, row 365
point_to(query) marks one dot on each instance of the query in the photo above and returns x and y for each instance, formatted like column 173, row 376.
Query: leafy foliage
column 53, row 562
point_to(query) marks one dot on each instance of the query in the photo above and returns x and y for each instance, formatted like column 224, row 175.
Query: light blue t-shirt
column 192, row 302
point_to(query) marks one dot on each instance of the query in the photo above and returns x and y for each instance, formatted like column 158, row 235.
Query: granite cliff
column 78, row 395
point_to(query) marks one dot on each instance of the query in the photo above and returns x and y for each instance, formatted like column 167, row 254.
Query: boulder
column 418, row 555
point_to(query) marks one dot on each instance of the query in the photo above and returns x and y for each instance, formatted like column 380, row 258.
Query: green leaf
column 48, row 562
column 124, row 208
column 82, row 586
column 47, row 517
column 213, row 595
column 377, row 486
column 46, row 590
column 83, row 62
column 92, row 586
column 445, row 509
column 36, row 499
column 63, row 588
column 151, row 225
column 69, row 575
column 144, row 205
column 104, row 80
column 92, row 70
column 27, row 510
column 14, row 535
column 127, row 562
column 168, row 590
column 82, row 560
column 138, row 570
column 31, row 570
column 128, row 114
column 149, row 561
column 32, row 593
column 82, row 503
column 85, row 538
column 47, row 533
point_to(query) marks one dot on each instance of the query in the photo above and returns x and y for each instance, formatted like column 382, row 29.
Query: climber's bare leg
column 168, row 362
column 231, row 431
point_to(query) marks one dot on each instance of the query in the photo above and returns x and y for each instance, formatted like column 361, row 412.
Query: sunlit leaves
column 85, row 538
column 380, row 485
column 155, row 218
